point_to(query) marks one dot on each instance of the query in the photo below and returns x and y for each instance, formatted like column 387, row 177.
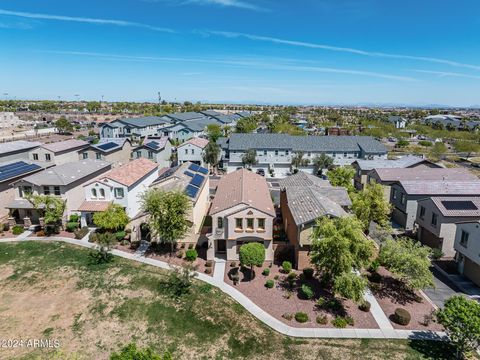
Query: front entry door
column 221, row 246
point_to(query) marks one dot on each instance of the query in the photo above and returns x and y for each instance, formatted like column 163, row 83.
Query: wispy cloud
column 340, row 49
column 288, row 65
column 446, row 74
column 228, row 3
column 29, row 15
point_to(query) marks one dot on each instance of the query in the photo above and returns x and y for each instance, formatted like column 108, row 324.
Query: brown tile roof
column 132, row 172
column 200, row 142
column 59, row 146
column 457, row 206
column 424, row 173
column 242, row 187
column 94, row 206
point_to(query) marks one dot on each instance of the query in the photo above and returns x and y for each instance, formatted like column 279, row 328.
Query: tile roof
column 200, row 142
column 72, row 144
column 242, row 187
column 403, row 162
column 119, row 143
column 424, row 174
column 18, row 145
column 132, row 172
column 457, row 206
column 245, row 142
column 141, row 122
column 94, row 206
column 68, row 173
column 185, row 116
column 449, row 187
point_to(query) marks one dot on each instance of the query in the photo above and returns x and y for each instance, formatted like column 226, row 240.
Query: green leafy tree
column 350, row 286
column 51, row 208
column 113, row 219
column 321, row 162
column 211, row 154
column 250, row 158
column 102, row 253
column 252, row 254
column 63, row 125
column 93, row 106
column 298, row 160
column 247, row 125
column 214, row 132
column 180, row 279
column 438, row 150
column 467, row 147
column 370, row 205
column 402, row 143
column 167, row 211
column 409, row 261
column 342, row 176
column 132, row 352
column 461, row 319
column 339, row 247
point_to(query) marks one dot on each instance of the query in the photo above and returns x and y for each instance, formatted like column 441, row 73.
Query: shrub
column 81, row 233
column 331, row 304
column 401, row 316
column 40, row 233
column 120, row 235
column 191, row 254
column 208, row 270
column 301, row 317
column 425, row 143
column 190, row 246
column 6, row 227
column 93, row 238
column 350, row 321
column 287, row 267
column 322, row 319
column 340, row 322
column 308, row 273
column 436, row 253
column 209, row 263
column 307, row 291
column 180, row 254
column 74, row 218
column 17, row 230
column 266, row 271
column 374, row 265
column 276, row 277
column 233, row 264
column 288, row 316
column 71, row 226
column 365, row 306
column 269, row 284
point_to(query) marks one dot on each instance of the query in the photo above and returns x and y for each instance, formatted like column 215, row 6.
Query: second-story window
column 35, row 156
column 238, row 224
column 422, row 212
column 402, row 199
column 276, row 152
column 101, row 193
column 94, row 193
column 261, row 224
column 139, row 154
column 56, row 190
column 98, row 156
column 464, row 238
column 119, row 193
column 186, row 151
column 46, row 190
column 265, row 152
column 220, row 222
column 48, row 157
column 150, row 154
column 434, row 219
column 85, row 155
column 394, row 193
column 193, row 151
column 249, row 223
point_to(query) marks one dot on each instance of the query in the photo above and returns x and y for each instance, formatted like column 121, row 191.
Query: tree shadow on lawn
column 394, row 289
column 433, row 349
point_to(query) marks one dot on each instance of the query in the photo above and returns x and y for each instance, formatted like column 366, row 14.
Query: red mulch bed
column 7, row 235
column 62, row 233
column 391, row 294
column 280, row 300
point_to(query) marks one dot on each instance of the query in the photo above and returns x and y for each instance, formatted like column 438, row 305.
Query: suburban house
column 242, row 211
column 363, row 167
column 134, row 128
column 389, row 176
column 467, row 246
column 192, row 151
column 190, row 129
column 122, row 185
column 305, row 198
column 65, row 181
column 398, row 121
column 117, row 151
column 437, row 218
column 158, row 149
column 58, row 153
column 11, row 171
column 274, row 152
column 405, row 195
column 17, row 150
column 194, row 181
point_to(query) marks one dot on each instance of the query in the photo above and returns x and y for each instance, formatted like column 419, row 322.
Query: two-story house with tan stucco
column 117, row 151
column 58, row 153
column 467, row 247
column 242, row 211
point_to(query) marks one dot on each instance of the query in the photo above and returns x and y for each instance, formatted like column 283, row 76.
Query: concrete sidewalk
column 266, row 318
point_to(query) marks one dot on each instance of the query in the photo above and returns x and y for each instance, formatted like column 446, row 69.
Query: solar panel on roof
column 194, row 167
column 203, row 170
column 459, row 205
column 107, row 146
column 191, row 191
column 16, row 169
column 197, row 180
column 188, row 173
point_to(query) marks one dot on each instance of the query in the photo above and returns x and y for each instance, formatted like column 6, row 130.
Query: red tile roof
column 94, row 206
column 132, row 172
column 200, row 142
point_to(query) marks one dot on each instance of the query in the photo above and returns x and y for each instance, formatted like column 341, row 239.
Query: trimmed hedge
column 17, row 230
column 191, row 255
column 120, row 235
column 365, row 306
column 71, row 226
column 301, row 317
column 266, row 271
column 307, row 291
column 401, row 316
column 269, row 284
column 287, row 266
column 340, row 322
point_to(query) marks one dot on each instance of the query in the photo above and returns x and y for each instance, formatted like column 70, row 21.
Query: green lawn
column 50, row 290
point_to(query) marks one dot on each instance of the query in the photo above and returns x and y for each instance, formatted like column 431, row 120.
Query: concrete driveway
column 444, row 288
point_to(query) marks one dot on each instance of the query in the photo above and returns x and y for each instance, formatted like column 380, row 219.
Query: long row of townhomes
column 440, row 206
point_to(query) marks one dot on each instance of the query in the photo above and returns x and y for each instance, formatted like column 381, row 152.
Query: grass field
column 50, row 290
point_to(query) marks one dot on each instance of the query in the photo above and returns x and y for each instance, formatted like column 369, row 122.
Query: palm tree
column 321, row 162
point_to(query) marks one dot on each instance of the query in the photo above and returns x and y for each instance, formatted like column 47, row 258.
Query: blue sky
column 255, row 51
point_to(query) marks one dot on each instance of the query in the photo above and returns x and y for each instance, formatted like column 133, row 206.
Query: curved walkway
column 387, row 332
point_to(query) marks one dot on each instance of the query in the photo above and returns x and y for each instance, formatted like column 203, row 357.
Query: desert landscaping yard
column 52, row 290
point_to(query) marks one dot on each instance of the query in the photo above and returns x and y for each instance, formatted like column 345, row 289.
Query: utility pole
column 159, row 98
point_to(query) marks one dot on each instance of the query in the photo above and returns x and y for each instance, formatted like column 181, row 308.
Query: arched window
column 94, row 193
column 102, row 193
